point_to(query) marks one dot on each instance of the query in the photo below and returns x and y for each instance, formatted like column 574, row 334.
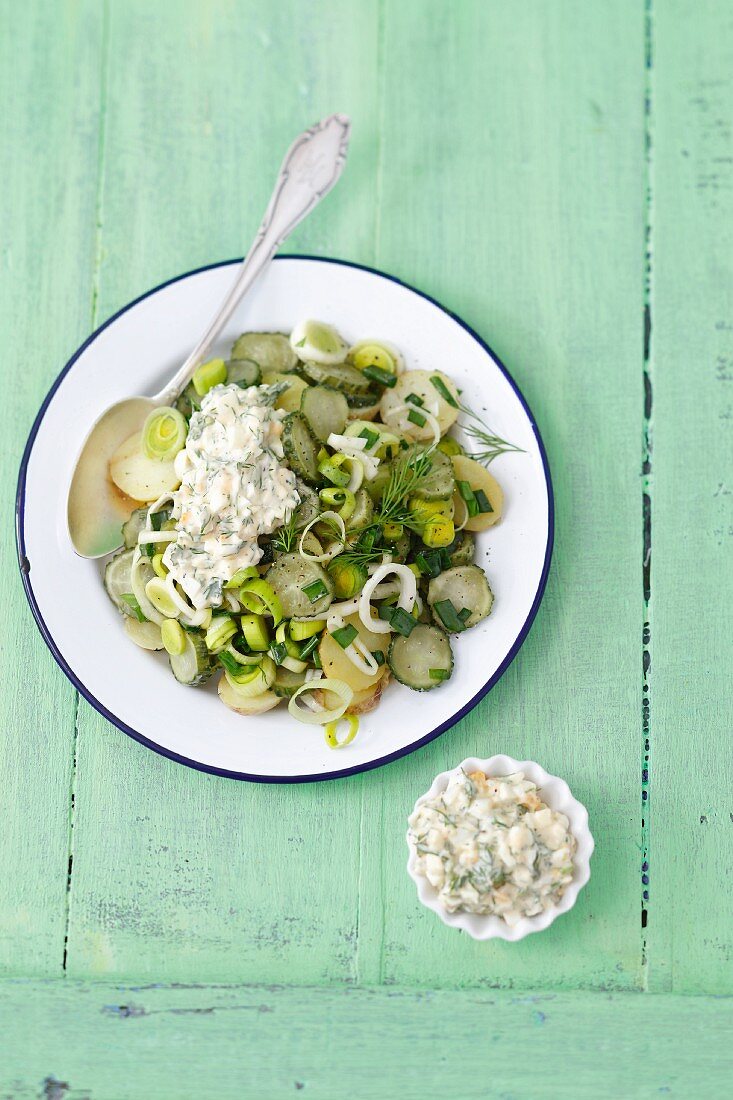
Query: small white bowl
column 556, row 793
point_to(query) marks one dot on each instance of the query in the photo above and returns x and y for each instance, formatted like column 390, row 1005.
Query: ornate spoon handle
column 311, row 167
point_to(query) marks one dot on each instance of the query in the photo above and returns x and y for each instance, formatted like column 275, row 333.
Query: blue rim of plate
column 342, row 773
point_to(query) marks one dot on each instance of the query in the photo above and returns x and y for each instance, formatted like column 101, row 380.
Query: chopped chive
column 134, row 606
column 317, row 663
column 430, row 563
column 398, row 619
column 484, row 504
column 444, row 391
column 449, row 617
column 378, row 656
column 379, row 375
column 370, row 436
column 402, row 622
column 314, row 590
column 231, row 664
column 416, row 418
column 423, row 565
column 278, row 652
column 469, row 497
column 335, row 475
column 368, row 539
column 345, row 635
column 309, row 647
column 415, row 400
column 464, row 614
column 159, row 518
column 438, row 673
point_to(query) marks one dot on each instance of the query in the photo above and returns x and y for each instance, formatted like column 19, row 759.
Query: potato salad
column 490, row 845
column 302, row 525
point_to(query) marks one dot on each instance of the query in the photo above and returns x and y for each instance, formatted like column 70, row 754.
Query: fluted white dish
column 557, row 795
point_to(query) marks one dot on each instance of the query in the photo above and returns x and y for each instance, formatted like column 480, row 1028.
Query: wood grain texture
column 690, row 931
column 530, row 228
column 176, row 885
column 48, row 161
column 498, row 162
column 67, row 1041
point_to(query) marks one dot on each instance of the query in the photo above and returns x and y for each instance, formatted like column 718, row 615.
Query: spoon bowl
column 96, row 508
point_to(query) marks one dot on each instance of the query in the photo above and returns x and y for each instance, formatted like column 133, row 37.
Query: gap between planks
column 96, row 273
column 646, row 480
column 369, row 962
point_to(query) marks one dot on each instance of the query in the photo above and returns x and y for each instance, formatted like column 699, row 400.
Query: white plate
column 135, row 352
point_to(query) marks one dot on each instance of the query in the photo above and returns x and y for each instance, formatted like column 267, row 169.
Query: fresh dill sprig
column 493, row 445
column 358, row 555
column 408, row 474
column 286, row 536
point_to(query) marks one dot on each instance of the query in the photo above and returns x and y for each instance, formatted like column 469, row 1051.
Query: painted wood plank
column 67, row 1041
column 511, row 189
column 176, row 872
column 690, row 933
column 48, row 167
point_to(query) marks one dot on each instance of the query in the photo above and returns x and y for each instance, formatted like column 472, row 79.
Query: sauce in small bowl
column 498, row 847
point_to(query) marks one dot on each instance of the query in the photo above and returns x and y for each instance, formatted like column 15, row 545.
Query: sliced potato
column 146, row 635
column 418, row 382
column 289, row 399
column 337, row 666
column 478, row 477
column 138, row 476
column 249, row 705
column 368, row 699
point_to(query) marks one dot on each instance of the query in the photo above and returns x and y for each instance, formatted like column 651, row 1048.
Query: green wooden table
column 560, row 173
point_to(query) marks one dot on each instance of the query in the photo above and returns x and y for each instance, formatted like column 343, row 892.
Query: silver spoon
column 96, row 508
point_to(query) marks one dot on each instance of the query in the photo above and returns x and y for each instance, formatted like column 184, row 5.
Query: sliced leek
column 258, row 597
column 331, row 732
column 157, row 592
column 303, row 710
column 376, row 353
column 208, row 375
column 316, row 342
column 173, row 637
column 253, row 679
column 406, row 600
column 334, row 547
column 220, row 633
column 301, row 631
column 164, row 434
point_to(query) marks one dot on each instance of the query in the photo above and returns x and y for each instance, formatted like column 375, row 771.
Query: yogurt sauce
column 490, row 845
column 234, row 487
